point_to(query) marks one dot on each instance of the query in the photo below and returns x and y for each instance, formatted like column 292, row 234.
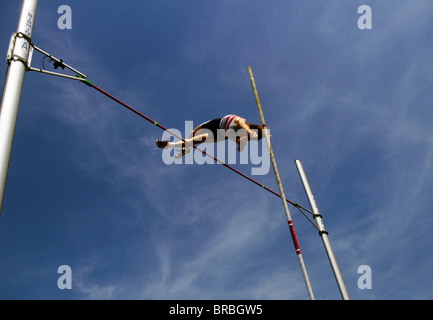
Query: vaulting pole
column 280, row 187
column 18, row 56
column 322, row 232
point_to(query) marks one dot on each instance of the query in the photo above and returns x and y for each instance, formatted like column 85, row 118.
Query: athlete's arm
column 242, row 123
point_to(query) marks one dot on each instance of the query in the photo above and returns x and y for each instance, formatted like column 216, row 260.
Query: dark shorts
column 212, row 126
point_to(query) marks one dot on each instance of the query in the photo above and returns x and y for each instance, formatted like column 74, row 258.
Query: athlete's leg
column 192, row 139
column 201, row 134
column 195, row 140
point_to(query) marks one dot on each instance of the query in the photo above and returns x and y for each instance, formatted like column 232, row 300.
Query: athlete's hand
column 253, row 135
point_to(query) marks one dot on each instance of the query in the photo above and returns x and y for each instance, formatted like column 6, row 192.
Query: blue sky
column 88, row 188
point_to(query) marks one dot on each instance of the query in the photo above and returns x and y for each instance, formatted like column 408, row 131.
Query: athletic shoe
column 161, row 144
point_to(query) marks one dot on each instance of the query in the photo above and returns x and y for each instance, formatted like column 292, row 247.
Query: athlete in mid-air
column 228, row 127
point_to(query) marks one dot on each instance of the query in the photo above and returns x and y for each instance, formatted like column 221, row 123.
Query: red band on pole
column 295, row 239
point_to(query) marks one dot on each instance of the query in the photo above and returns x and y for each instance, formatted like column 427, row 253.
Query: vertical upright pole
column 17, row 58
column 322, row 232
column 280, row 187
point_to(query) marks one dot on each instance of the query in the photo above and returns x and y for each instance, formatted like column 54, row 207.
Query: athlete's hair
column 258, row 129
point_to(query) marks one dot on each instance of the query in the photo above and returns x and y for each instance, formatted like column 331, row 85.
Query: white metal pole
column 17, row 58
column 322, row 231
column 280, row 187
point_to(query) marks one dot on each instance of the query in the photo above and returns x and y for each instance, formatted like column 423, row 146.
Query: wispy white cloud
column 86, row 288
column 207, row 270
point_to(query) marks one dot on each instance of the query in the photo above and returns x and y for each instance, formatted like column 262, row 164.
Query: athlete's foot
column 161, row 144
